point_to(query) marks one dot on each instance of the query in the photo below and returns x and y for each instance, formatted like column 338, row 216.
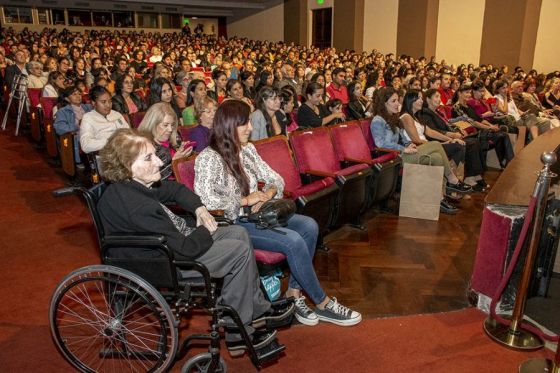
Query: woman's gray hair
column 32, row 64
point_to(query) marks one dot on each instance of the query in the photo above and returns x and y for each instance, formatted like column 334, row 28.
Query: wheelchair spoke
column 113, row 322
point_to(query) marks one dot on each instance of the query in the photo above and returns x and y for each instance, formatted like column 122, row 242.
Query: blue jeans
column 299, row 247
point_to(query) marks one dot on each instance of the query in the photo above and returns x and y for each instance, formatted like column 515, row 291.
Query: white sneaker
column 304, row 314
column 338, row 314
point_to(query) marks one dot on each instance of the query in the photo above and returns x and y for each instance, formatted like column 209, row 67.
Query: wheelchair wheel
column 201, row 364
column 107, row 319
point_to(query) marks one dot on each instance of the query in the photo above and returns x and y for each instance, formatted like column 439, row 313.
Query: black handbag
column 273, row 213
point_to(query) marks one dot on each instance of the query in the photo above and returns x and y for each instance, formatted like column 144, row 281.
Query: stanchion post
column 513, row 336
column 542, row 365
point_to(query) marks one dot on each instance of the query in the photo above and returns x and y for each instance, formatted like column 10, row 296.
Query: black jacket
column 119, row 103
column 130, row 207
column 430, row 118
column 356, row 110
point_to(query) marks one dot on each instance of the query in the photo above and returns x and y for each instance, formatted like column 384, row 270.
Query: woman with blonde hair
column 161, row 122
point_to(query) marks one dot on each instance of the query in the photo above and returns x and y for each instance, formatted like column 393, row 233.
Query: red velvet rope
column 514, row 259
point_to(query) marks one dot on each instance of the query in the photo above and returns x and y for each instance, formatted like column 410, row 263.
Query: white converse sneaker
column 338, row 314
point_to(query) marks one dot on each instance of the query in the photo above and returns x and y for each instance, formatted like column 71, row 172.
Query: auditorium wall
column 265, row 25
column 380, row 26
column 547, row 52
column 459, row 31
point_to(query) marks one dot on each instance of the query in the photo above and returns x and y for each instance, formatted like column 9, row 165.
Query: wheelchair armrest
column 197, row 267
column 135, row 239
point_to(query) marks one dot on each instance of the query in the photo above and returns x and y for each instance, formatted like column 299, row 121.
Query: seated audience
column 135, row 201
column 507, row 106
column 359, row 105
column 227, row 173
column 264, row 120
column 334, row 106
column 204, row 111
column 55, row 84
column 474, row 159
column 234, row 90
column 69, row 116
column 126, row 101
column 489, row 134
column 100, row 123
column 161, row 90
column 161, row 123
column 196, row 91
column 36, row 79
column 312, row 113
column 386, row 130
column 220, row 80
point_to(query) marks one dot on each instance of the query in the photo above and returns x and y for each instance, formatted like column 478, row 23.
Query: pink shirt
column 340, row 93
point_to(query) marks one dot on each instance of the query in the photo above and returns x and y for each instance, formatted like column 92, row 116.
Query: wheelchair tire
column 105, row 318
column 201, row 364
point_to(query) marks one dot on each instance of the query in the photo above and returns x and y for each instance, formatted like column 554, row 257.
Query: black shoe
column 478, row 188
column 280, row 314
column 459, row 187
column 259, row 339
column 447, row 208
column 482, row 183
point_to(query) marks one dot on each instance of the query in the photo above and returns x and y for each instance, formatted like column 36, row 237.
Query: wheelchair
column 124, row 314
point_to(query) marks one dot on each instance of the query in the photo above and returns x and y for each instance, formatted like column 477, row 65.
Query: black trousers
column 474, row 157
column 500, row 142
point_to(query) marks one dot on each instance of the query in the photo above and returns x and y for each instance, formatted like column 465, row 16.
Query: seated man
column 135, row 202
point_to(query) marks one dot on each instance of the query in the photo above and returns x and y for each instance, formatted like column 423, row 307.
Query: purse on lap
column 273, row 213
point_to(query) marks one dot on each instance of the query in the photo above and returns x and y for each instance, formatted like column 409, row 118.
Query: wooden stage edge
column 516, row 183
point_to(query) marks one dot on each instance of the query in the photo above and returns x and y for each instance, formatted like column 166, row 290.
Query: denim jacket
column 65, row 119
column 383, row 136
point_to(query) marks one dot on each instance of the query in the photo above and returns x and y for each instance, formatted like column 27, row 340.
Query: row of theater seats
column 332, row 173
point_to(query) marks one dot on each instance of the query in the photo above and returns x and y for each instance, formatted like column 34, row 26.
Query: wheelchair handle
column 62, row 192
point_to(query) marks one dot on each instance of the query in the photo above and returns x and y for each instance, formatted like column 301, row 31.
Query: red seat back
column 314, row 150
column 366, row 130
column 349, row 141
column 86, row 99
column 48, row 103
column 34, row 95
column 136, row 118
column 276, row 153
column 184, row 171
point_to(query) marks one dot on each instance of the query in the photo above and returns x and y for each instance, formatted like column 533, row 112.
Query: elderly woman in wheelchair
column 136, row 201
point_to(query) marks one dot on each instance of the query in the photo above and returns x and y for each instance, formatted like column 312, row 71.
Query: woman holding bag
column 227, row 173
column 387, row 131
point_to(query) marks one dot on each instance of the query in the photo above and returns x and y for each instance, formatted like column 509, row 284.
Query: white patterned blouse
column 217, row 187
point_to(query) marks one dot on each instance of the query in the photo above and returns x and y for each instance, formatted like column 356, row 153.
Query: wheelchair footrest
column 270, row 353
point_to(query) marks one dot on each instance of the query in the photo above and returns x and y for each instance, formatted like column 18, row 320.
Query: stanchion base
column 538, row 366
column 522, row 340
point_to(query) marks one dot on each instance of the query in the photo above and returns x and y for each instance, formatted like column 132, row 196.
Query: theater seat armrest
column 320, row 173
column 355, row 160
column 386, row 150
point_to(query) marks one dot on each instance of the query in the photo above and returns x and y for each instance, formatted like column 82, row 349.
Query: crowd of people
column 234, row 91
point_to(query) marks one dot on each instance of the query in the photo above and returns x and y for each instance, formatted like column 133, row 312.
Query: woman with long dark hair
column 264, row 120
column 220, row 80
column 126, row 101
column 227, row 174
column 196, row 91
column 161, row 89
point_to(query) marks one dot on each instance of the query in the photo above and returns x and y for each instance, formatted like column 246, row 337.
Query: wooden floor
column 402, row 266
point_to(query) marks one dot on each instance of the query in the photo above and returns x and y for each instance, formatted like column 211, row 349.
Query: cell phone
column 188, row 144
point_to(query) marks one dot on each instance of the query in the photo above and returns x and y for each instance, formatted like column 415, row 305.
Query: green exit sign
column 320, row 2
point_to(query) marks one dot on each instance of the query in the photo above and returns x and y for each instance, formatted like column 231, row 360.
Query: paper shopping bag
column 421, row 191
